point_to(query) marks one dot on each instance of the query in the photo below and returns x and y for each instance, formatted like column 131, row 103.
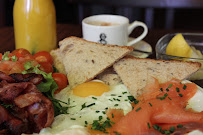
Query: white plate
column 141, row 45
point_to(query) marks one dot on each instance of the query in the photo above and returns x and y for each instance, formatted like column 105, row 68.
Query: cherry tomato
column 20, row 52
column 43, row 56
column 61, row 81
column 46, row 67
column 1, row 56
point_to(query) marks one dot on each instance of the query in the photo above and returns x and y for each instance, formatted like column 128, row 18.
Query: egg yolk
column 90, row 88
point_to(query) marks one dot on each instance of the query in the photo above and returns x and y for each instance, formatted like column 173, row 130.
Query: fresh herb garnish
column 94, row 98
column 47, row 87
column 138, row 109
column 184, row 87
column 148, row 125
column 101, row 126
column 177, row 89
column 116, row 133
column 170, row 85
column 150, row 104
column 132, row 99
column 85, row 106
column 179, row 126
column 181, row 95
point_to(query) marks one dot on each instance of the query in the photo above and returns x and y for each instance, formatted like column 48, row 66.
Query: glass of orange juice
column 35, row 25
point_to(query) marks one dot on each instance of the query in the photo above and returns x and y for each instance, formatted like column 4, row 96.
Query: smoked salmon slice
column 166, row 108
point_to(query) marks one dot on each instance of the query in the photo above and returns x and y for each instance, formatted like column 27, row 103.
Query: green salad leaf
column 47, row 87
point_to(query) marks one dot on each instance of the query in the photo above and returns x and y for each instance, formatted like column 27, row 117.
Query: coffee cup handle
column 132, row 26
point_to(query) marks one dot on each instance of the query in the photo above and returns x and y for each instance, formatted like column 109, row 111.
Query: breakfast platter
column 103, row 92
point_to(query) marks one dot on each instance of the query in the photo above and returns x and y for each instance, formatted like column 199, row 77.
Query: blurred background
column 157, row 14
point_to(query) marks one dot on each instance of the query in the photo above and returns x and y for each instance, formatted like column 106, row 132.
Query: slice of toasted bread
column 109, row 76
column 135, row 72
column 58, row 60
column 83, row 60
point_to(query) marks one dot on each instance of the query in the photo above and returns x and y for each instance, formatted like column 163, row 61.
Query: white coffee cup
column 111, row 29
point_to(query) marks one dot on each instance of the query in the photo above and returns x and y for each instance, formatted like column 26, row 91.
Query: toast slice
column 109, row 76
column 84, row 60
column 58, row 60
column 136, row 72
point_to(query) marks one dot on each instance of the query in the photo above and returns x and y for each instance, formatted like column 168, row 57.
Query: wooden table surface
column 7, row 42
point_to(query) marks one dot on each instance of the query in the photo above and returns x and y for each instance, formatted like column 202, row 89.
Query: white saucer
column 141, row 45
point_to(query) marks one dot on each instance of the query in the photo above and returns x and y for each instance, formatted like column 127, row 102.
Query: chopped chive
column 110, row 99
column 155, row 127
column 86, row 122
column 97, row 111
column 116, row 133
column 184, row 87
column 161, row 98
column 167, row 132
column 94, row 98
column 112, row 115
column 91, row 105
column 169, row 98
column 116, row 105
column 167, row 89
column 161, row 89
column 73, row 118
column 103, row 112
column 118, row 100
column 148, row 125
column 136, row 101
column 106, row 108
column 179, row 126
column 119, row 96
column 172, row 129
column 177, row 89
column 114, row 99
column 124, row 92
column 150, row 104
column 170, row 85
column 180, row 95
column 132, row 107
column 100, row 118
column 126, row 99
column 138, row 109
column 159, row 129
column 165, row 95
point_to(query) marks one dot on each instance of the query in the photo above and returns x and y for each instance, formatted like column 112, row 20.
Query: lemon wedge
column 178, row 47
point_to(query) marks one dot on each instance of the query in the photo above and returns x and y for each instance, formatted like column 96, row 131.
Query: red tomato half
column 1, row 56
column 43, row 56
column 20, row 52
column 46, row 67
column 61, row 81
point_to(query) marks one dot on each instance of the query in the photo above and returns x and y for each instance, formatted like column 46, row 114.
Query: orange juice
column 35, row 25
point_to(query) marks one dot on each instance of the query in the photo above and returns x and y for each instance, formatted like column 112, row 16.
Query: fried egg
column 88, row 102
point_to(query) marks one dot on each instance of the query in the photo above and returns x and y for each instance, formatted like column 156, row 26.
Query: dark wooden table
column 7, row 42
